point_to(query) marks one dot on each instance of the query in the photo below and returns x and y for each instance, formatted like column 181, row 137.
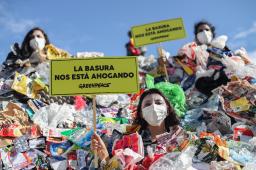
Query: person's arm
column 98, row 145
column 37, row 57
column 10, row 59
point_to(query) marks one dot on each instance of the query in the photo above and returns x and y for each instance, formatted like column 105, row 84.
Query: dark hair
column 171, row 118
column 203, row 22
column 129, row 34
column 26, row 50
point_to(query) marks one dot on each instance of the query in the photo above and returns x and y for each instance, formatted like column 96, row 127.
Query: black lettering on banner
column 94, row 85
column 99, row 68
column 98, row 75
column 139, row 35
column 93, row 76
column 78, row 69
column 160, row 27
column 80, row 76
column 150, row 33
column 131, row 75
column 73, row 76
column 111, row 67
column 159, row 37
column 104, row 75
column 81, row 86
column 111, row 75
column 62, row 77
column 119, row 75
column 86, row 68
column 148, row 29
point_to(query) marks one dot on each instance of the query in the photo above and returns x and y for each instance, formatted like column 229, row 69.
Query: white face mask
column 204, row 37
column 37, row 43
column 154, row 114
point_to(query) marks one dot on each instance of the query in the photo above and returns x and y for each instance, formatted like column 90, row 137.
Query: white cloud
column 15, row 25
column 237, row 44
column 12, row 23
column 246, row 33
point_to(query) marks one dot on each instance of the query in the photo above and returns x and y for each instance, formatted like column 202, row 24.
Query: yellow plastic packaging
column 23, row 85
column 56, row 53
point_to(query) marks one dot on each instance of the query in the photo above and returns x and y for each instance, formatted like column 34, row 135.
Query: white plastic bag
column 43, row 70
column 236, row 66
column 106, row 100
column 175, row 160
column 201, row 56
column 250, row 166
column 219, row 42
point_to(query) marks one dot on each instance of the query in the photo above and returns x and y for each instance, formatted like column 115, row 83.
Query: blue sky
column 102, row 25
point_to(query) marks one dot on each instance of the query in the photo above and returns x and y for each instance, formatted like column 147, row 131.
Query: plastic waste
column 219, row 42
column 202, row 128
column 175, row 160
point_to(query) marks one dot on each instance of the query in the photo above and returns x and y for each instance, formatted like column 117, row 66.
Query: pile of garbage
column 215, row 100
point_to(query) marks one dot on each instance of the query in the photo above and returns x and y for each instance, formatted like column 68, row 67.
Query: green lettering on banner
column 157, row 32
column 104, row 75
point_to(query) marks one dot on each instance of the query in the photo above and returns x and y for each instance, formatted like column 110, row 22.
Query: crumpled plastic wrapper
column 43, row 70
column 128, row 157
column 16, row 160
column 56, row 53
column 217, row 120
column 194, row 56
column 81, row 137
column 195, row 99
column 222, row 165
column 175, row 160
column 238, row 100
column 147, row 64
column 110, row 99
column 240, row 152
column 106, row 100
column 250, row 166
column 54, row 115
column 23, row 85
column 5, row 86
column 201, row 56
column 13, row 121
column 236, row 66
column 206, row 111
column 244, row 55
column 219, row 42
